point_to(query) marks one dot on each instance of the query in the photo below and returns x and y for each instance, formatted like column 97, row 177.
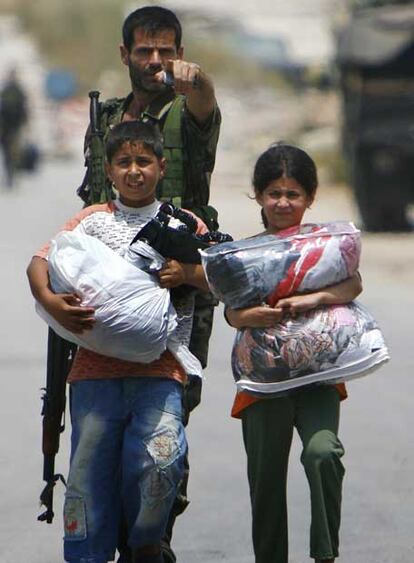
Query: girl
column 285, row 182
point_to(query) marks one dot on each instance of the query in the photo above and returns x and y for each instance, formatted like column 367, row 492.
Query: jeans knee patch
column 163, row 448
column 156, row 486
column 74, row 517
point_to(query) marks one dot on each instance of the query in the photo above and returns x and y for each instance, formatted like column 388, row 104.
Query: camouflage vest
column 168, row 117
column 186, row 183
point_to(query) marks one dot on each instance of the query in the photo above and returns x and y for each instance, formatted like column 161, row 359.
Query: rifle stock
column 59, row 359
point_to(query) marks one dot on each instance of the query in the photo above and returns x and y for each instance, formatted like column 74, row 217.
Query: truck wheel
column 381, row 191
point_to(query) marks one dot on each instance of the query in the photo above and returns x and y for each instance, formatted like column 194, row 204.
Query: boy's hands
column 172, row 274
column 66, row 309
column 175, row 273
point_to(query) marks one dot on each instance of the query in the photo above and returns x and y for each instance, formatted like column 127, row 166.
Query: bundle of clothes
column 327, row 344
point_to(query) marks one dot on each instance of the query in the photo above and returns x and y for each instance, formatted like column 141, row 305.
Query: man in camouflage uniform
column 188, row 115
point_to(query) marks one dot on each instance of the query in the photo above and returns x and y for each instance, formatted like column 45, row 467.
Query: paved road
column 378, row 512
column 378, row 515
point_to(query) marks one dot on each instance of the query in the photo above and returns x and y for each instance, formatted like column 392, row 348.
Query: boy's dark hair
column 136, row 132
column 151, row 19
column 281, row 159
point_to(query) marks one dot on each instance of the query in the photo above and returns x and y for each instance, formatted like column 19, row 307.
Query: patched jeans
column 128, row 449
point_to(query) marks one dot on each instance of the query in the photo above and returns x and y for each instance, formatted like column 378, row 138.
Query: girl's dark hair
column 280, row 160
column 152, row 19
column 136, row 132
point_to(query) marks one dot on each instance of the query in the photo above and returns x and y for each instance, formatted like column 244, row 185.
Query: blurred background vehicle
column 375, row 53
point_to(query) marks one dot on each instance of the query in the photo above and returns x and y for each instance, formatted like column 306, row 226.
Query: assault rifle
column 98, row 185
column 60, row 352
column 95, row 188
column 59, row 359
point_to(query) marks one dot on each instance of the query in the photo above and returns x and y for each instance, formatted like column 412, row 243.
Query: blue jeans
column 128, row 449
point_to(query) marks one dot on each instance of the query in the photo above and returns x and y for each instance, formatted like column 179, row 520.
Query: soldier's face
column 135, row 171
column 148, row 57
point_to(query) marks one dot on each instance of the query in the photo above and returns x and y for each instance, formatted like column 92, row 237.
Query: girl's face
column 284, row 203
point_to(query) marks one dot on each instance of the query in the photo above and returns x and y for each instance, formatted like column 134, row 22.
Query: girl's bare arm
column 265, row 317
column 338, row 294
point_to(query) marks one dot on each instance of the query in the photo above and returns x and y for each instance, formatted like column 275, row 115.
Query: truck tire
column 380, row 179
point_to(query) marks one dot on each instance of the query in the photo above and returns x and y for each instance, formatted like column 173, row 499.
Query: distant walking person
column 13, row 116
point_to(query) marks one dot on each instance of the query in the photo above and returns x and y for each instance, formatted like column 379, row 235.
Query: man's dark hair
column 134, row 132
column 151, row 19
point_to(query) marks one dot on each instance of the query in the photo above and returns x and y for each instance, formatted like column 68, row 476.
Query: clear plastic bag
column 328, row 344
column 268, row 267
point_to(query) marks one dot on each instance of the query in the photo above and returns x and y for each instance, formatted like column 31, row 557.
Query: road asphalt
column 377, row 419
column 378, row 508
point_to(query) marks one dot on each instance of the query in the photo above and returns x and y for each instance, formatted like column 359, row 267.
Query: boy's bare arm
column 64, row 307
column 176, row 273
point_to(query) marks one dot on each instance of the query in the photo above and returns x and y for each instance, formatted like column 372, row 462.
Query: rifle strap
column 172, row 185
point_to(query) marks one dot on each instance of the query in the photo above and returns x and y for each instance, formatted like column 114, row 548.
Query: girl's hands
column 66, row 309
column 261, row 316
column 266, row 317
column 296, row 304
column 338, row 294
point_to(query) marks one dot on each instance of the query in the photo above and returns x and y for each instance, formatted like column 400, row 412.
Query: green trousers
column 267, row 433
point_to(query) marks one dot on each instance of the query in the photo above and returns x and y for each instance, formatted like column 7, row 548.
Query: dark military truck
column 375, row 57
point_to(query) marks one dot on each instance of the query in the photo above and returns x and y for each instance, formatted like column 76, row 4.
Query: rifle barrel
column 94, row 112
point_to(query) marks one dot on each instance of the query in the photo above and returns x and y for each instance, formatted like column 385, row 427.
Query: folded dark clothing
column 241, row 278
column 180, row 243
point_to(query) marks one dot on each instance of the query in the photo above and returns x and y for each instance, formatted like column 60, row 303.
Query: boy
column 128, row 441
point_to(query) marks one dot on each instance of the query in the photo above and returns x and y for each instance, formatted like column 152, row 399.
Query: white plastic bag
column 134, row 315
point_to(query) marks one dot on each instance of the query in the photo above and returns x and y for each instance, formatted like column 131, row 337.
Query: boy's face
column 135, row 172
